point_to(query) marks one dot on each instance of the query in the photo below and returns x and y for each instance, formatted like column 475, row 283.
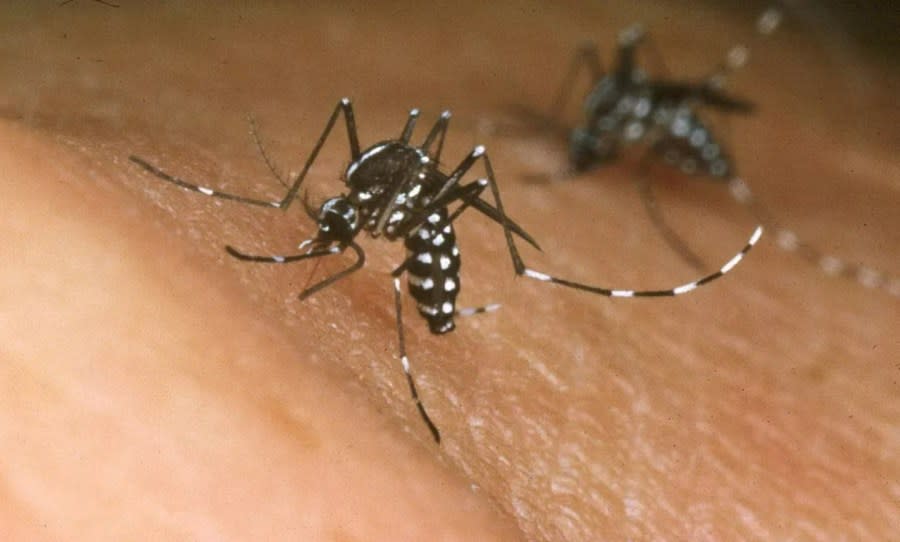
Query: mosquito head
column 337, row 220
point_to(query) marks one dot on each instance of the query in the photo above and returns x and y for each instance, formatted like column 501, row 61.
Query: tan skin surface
column 153, row 387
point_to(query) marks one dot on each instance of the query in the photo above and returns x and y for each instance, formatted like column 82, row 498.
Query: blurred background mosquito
column 628, row 106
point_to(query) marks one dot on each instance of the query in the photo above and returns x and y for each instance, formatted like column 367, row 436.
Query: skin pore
column 154, row 387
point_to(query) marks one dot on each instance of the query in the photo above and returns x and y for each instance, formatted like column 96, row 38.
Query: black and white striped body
column 689, row 144
column 433, row 271
column 626, row 107
column 391, row 183
column 394, row 179
column 620, row 113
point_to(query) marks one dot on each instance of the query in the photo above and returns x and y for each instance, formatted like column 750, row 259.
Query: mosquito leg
column 788, row 241
column 404, row 360
column 343, row 106
column 521, row 269
column 739, row 54
column 470, row 311
column 410, row 125
column 439, row 131
column 585, row 55
column 199, row 188
column 328, row 281
column 280, row 259
column 469, row 195
column 644, row 185
column 677, row 290
column 497, row 213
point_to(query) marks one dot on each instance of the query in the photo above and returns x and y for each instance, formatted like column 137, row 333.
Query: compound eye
column 337, row 220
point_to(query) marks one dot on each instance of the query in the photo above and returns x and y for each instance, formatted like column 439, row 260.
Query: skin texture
column 153, row 387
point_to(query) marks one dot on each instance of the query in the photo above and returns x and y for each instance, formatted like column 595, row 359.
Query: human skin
column 155, row 388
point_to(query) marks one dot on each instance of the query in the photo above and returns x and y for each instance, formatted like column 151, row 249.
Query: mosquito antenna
column 262, row 151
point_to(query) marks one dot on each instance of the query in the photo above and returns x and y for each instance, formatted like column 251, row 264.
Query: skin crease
column 153, row 387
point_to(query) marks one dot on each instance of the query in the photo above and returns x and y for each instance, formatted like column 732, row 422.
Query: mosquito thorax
column 382, row 165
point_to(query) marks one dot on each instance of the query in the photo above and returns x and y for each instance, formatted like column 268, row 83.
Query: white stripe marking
column 786, row 240
column 894, row 287
column 207, row 191
column 757, row 233
column 431, row 311
column 769, row 21
column 730, row 265
column 368, row 154
column 868, row 277
column 831, row 265
column 622, row 293
column 537, row 275
column 740, row 191
column 684, row 289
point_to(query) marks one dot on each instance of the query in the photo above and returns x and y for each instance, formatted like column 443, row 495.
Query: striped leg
column 788, row 241
column 586, row 55
column 737, row 56
column 471, row 311
column 343, row 106
column 404, row 360
column 439, row 131
column 678, row 290
column 317, row 253
column 521, row 269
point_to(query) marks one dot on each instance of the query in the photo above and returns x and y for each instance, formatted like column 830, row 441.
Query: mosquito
column 395, row 189
column 627, row 106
